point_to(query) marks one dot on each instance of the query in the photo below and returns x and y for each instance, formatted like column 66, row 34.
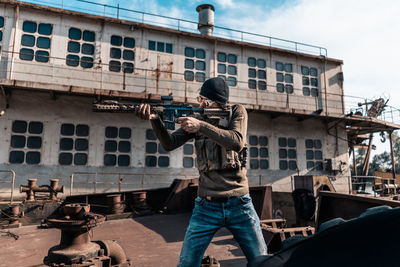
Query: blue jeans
column 237, row 214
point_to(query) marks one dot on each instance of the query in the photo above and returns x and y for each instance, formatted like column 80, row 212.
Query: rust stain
column 157, row 73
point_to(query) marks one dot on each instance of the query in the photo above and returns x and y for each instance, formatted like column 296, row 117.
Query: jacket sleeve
column 234, row 138
column 169, row 141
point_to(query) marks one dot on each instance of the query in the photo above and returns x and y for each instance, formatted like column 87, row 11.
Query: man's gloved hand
column 189, row 124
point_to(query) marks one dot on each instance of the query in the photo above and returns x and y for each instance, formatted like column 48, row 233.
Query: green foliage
column 380, row 162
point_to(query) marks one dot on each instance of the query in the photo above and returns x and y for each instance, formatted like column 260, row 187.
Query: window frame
column 197, row 56
column 83, row 60
column 284, row 77
column 159, row 152
column 74, row 151
column 35, row 52
column 258, row 146
column 26, row 149
column 224, row 61
column 123, row 49
column 117, row 154
column 254, row 69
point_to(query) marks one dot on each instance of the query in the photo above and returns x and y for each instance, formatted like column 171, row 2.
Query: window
column 195, row 65
column 117, row 146
column 81, row 48
column 258, row 152
column 35, row 41
column 257, row 73
column 314, row 155
column 155, row 153
column 122, row 54
column 227, row 68
column 74, row 144
column 287, row 153
column 189, row 155
column 1, row 30
column 310, row 81
column 284, row 77
column 160, row 47
column 26, row 142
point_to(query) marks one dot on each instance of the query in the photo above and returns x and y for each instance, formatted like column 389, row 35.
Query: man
column 223, row 195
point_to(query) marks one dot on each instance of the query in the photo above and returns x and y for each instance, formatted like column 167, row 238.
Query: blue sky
column 364, row 34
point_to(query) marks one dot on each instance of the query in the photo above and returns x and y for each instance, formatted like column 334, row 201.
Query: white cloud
column 224, row 3
column 364, row 34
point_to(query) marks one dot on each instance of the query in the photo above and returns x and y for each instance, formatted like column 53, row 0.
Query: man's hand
column 143, row 112
column 189, row 124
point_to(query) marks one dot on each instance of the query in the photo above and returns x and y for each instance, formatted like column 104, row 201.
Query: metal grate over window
column 314, row 155
column 284, row 77
column 310, row 81
column 195, row 64
column 257, row 73
column 258, row 152
column 122, row 54
column 36, row 41
column 26, row 142
column 227, row 67
column 117, row 146
column 81, row 48
column 287, row 153
column 156, row 155
column 74, row 144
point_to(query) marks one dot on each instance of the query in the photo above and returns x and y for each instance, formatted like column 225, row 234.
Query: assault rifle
column 170, row 111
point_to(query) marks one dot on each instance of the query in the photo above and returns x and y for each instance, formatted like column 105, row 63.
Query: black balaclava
column 216, row 90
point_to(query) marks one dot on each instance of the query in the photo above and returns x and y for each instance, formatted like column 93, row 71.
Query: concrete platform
column 148, row 241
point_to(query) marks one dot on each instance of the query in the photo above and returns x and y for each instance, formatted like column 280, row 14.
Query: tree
column 381, row 162
column 396, row 149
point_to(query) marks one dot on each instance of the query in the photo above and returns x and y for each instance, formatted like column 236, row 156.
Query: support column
column 392, row 155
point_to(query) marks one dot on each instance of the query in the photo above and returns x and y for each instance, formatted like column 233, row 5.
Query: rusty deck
column 148, row 241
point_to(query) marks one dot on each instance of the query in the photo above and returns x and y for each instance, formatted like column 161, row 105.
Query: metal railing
column 179, row 24
column 119, row 180
column 373, row 184
column 144, row 80
column 147, row 80
column 390, row 114
column 12, row 182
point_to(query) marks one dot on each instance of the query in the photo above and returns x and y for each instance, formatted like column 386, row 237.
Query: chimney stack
column 206, row 19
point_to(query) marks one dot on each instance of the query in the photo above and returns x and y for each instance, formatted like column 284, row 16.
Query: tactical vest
column 212, row 157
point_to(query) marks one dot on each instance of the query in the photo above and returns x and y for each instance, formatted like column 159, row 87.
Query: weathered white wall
column 291, row 127
column 39, row 106
column 55, row 75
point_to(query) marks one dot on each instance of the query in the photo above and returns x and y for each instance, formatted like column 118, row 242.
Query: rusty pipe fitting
column 15, row 214
column 32, row 188
column 113, row 250
column 115, row 205
column 29, row 189
column 54, row 188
